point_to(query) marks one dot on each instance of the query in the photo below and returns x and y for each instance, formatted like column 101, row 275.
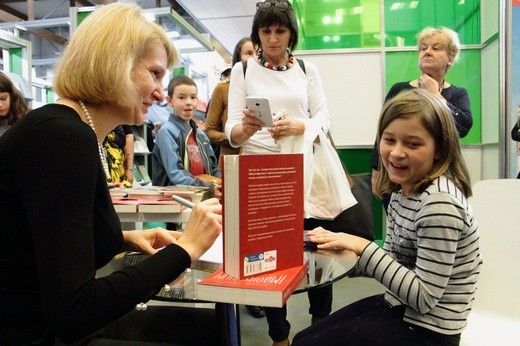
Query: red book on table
column 271, row 289
column 263, row 213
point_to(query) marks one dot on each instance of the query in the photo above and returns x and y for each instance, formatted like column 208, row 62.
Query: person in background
column 515, row 134
column 12, row 104
column 119, row 149
column 438, row 50
column 58, row 222
column 278, row 76
column 128, row 152
column 218, row 107
column 226, row 72
column 431, row 260
column 182, row 151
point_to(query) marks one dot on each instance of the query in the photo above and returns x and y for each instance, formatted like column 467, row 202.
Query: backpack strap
column 302, row 65
column 300, row 62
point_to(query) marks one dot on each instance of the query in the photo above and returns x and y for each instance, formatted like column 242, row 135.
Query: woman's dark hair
column 238, row 50
column 17, row 107
column 275, row 16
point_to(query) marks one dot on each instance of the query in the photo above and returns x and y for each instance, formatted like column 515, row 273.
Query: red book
column 263, row 213
column 272, row 289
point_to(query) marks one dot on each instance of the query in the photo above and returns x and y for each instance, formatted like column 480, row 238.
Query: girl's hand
column 204, row 226
column 148, row 241
column 286, row 126
column 337, row 241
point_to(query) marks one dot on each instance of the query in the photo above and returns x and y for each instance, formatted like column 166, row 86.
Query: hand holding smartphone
column 260, row 106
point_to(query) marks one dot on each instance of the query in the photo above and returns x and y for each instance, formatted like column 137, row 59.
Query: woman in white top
column 276, row 76
column 298, row 94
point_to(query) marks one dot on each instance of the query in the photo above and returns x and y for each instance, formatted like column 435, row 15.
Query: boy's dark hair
column 181, row 80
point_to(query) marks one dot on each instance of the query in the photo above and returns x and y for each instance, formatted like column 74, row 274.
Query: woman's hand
column 217, row 191
column 250, row 125
column 148, row 241
column 286, row 126
column 427, row 82
column 204, row 226
column 327, row 240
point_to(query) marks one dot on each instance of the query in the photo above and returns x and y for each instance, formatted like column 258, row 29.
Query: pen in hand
column 183, row 201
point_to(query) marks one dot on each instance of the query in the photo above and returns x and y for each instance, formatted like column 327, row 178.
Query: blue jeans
column 370, row 321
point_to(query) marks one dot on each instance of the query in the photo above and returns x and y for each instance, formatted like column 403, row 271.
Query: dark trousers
column 320, row 300
column 370, row 321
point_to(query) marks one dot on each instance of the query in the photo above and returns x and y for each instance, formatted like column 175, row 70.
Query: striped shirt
column 431, row 257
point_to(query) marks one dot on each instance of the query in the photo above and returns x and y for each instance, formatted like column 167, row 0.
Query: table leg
column 234, row 324
column 228, row 323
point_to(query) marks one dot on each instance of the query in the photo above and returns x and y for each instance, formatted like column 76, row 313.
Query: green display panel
column 16, row 60
column 82, row 15
column 403, row 66
column 331, row 24
column 404, row 19
column 49, row 95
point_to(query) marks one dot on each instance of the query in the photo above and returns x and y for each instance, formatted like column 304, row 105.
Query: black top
column 58, row 226
column 515, row 133
column 457, row 100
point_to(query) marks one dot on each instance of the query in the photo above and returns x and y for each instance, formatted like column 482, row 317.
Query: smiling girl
column 431, row 260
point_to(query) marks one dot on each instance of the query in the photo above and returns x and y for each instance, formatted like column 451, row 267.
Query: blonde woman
column 58, row 222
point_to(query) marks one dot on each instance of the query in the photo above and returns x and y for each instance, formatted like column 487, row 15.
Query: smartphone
column 260, row 105
column 308, row 244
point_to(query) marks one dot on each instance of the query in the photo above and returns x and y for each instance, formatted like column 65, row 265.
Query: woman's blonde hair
column 437, row 120
column 450, row 39
column 97, row 64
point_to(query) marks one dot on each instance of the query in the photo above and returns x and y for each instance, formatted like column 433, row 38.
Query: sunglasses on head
column 281, row 5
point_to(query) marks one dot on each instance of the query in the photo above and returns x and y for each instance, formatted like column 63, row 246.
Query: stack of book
column 263, row 260
column 272, row 289
column 155, row 199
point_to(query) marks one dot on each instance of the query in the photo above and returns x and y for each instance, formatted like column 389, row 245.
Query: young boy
column 182, row 151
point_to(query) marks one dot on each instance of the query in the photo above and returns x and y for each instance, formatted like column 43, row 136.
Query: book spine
column 294, row 284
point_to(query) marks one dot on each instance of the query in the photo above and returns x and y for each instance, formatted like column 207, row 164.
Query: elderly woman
column 58, row 222
column 438, row 50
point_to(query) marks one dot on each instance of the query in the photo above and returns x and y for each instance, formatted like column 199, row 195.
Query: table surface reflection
column 325, row 267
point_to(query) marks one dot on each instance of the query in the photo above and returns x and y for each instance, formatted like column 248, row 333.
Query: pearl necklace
column 101, row 150
column 268, row 65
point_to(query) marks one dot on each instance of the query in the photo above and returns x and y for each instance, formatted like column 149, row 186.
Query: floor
column 254, row 330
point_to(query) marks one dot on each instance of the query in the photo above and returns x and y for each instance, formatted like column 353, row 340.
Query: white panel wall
column 353, row 88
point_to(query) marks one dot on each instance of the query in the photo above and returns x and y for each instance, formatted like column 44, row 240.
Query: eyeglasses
column 281, row 5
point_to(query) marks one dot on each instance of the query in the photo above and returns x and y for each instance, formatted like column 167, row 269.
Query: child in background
column 182, row 151
column 431, row 260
